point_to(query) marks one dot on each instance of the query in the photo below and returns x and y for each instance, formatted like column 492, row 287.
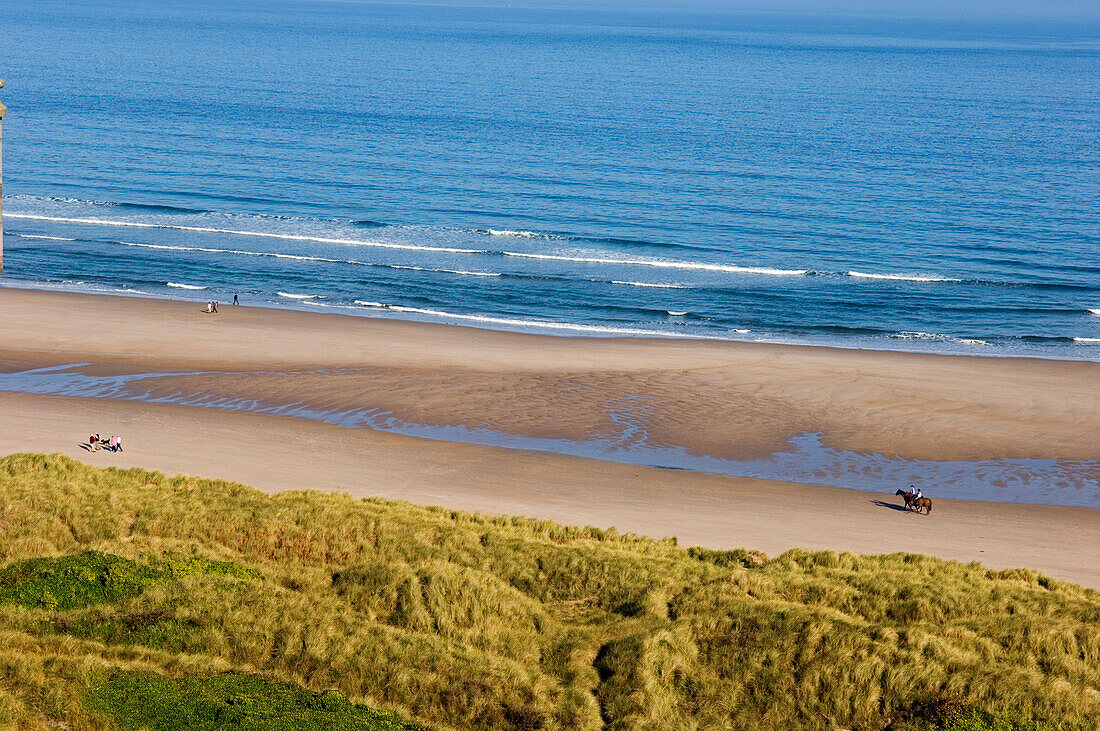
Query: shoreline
column 549, row 329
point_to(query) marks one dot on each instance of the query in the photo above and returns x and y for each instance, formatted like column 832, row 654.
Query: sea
column 863, row 182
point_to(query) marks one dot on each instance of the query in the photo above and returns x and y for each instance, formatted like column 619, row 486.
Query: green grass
column 136, row 700
column 74, row 582
column 195, row 591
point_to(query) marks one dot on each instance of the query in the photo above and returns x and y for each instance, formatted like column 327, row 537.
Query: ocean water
column 861, row 182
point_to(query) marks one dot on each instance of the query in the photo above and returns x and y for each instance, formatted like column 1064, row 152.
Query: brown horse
column 913, row 503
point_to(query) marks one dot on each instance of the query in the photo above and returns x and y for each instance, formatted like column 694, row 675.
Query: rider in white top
column 918, row 494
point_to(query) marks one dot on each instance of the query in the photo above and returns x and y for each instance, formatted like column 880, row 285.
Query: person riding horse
column 914, row 498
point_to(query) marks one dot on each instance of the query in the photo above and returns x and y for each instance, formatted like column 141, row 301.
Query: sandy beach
column 711, row 398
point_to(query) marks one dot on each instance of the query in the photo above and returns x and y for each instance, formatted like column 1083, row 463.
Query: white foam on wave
column 82, row 286
column 661, row 264
column 329, row 306
column 742, row 331
column 461, row 272
column 118, row 290
column 180, row 285
column 1086, row 340
column 298, row 257
column 257, row 234
column 676, row 313
column 290, row 295
column 242, row 252
column 1094, row 311
column 903, row 277
column 936, row 337
column 541, row 324
column 40, row 236
column 650, row 284
column 917, row 336
column 516, row 234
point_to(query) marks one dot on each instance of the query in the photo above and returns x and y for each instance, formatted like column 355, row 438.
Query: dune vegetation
column 131, row 600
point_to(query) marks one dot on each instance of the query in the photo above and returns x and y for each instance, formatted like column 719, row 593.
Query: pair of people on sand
column 212, row 306
column 113, row 443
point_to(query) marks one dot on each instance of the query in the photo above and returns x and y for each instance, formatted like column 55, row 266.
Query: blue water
column 919, row 185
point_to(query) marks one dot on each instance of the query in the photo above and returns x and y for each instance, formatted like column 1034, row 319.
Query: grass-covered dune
column 133, row 600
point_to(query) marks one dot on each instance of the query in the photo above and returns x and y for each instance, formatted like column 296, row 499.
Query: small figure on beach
column 915, row 500
column 93, row 443
column 235, row 300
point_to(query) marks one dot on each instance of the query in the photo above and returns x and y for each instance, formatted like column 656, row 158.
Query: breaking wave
column 40, row 236
column 255, row 234
column 903, row 277
column 523, row 323
column 290, row 295
column 179, row 285
column 516, row 234
column 661, row 264
column 651, row 284
column 937, row 338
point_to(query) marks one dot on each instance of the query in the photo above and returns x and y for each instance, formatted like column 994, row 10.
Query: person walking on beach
column 215, row 305
column 235, row 300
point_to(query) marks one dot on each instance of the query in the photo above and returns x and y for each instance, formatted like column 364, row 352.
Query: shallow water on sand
column 806, row 459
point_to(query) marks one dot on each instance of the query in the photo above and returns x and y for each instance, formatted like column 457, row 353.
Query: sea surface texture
column 916, row 185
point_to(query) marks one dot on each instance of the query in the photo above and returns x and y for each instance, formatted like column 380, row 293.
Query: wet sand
column 732, row 400
column 722, row 399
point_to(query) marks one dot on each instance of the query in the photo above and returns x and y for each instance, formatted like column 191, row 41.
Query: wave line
column 902, row 277
column 575, row 327
column 299, row 257
column 180, row 285
column 259, row 234
column 650, row 284
column 701, row 266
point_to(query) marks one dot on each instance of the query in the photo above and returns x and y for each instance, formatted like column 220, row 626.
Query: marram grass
column 133, row 600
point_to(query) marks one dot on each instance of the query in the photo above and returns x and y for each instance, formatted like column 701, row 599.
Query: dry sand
column 714, row 398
